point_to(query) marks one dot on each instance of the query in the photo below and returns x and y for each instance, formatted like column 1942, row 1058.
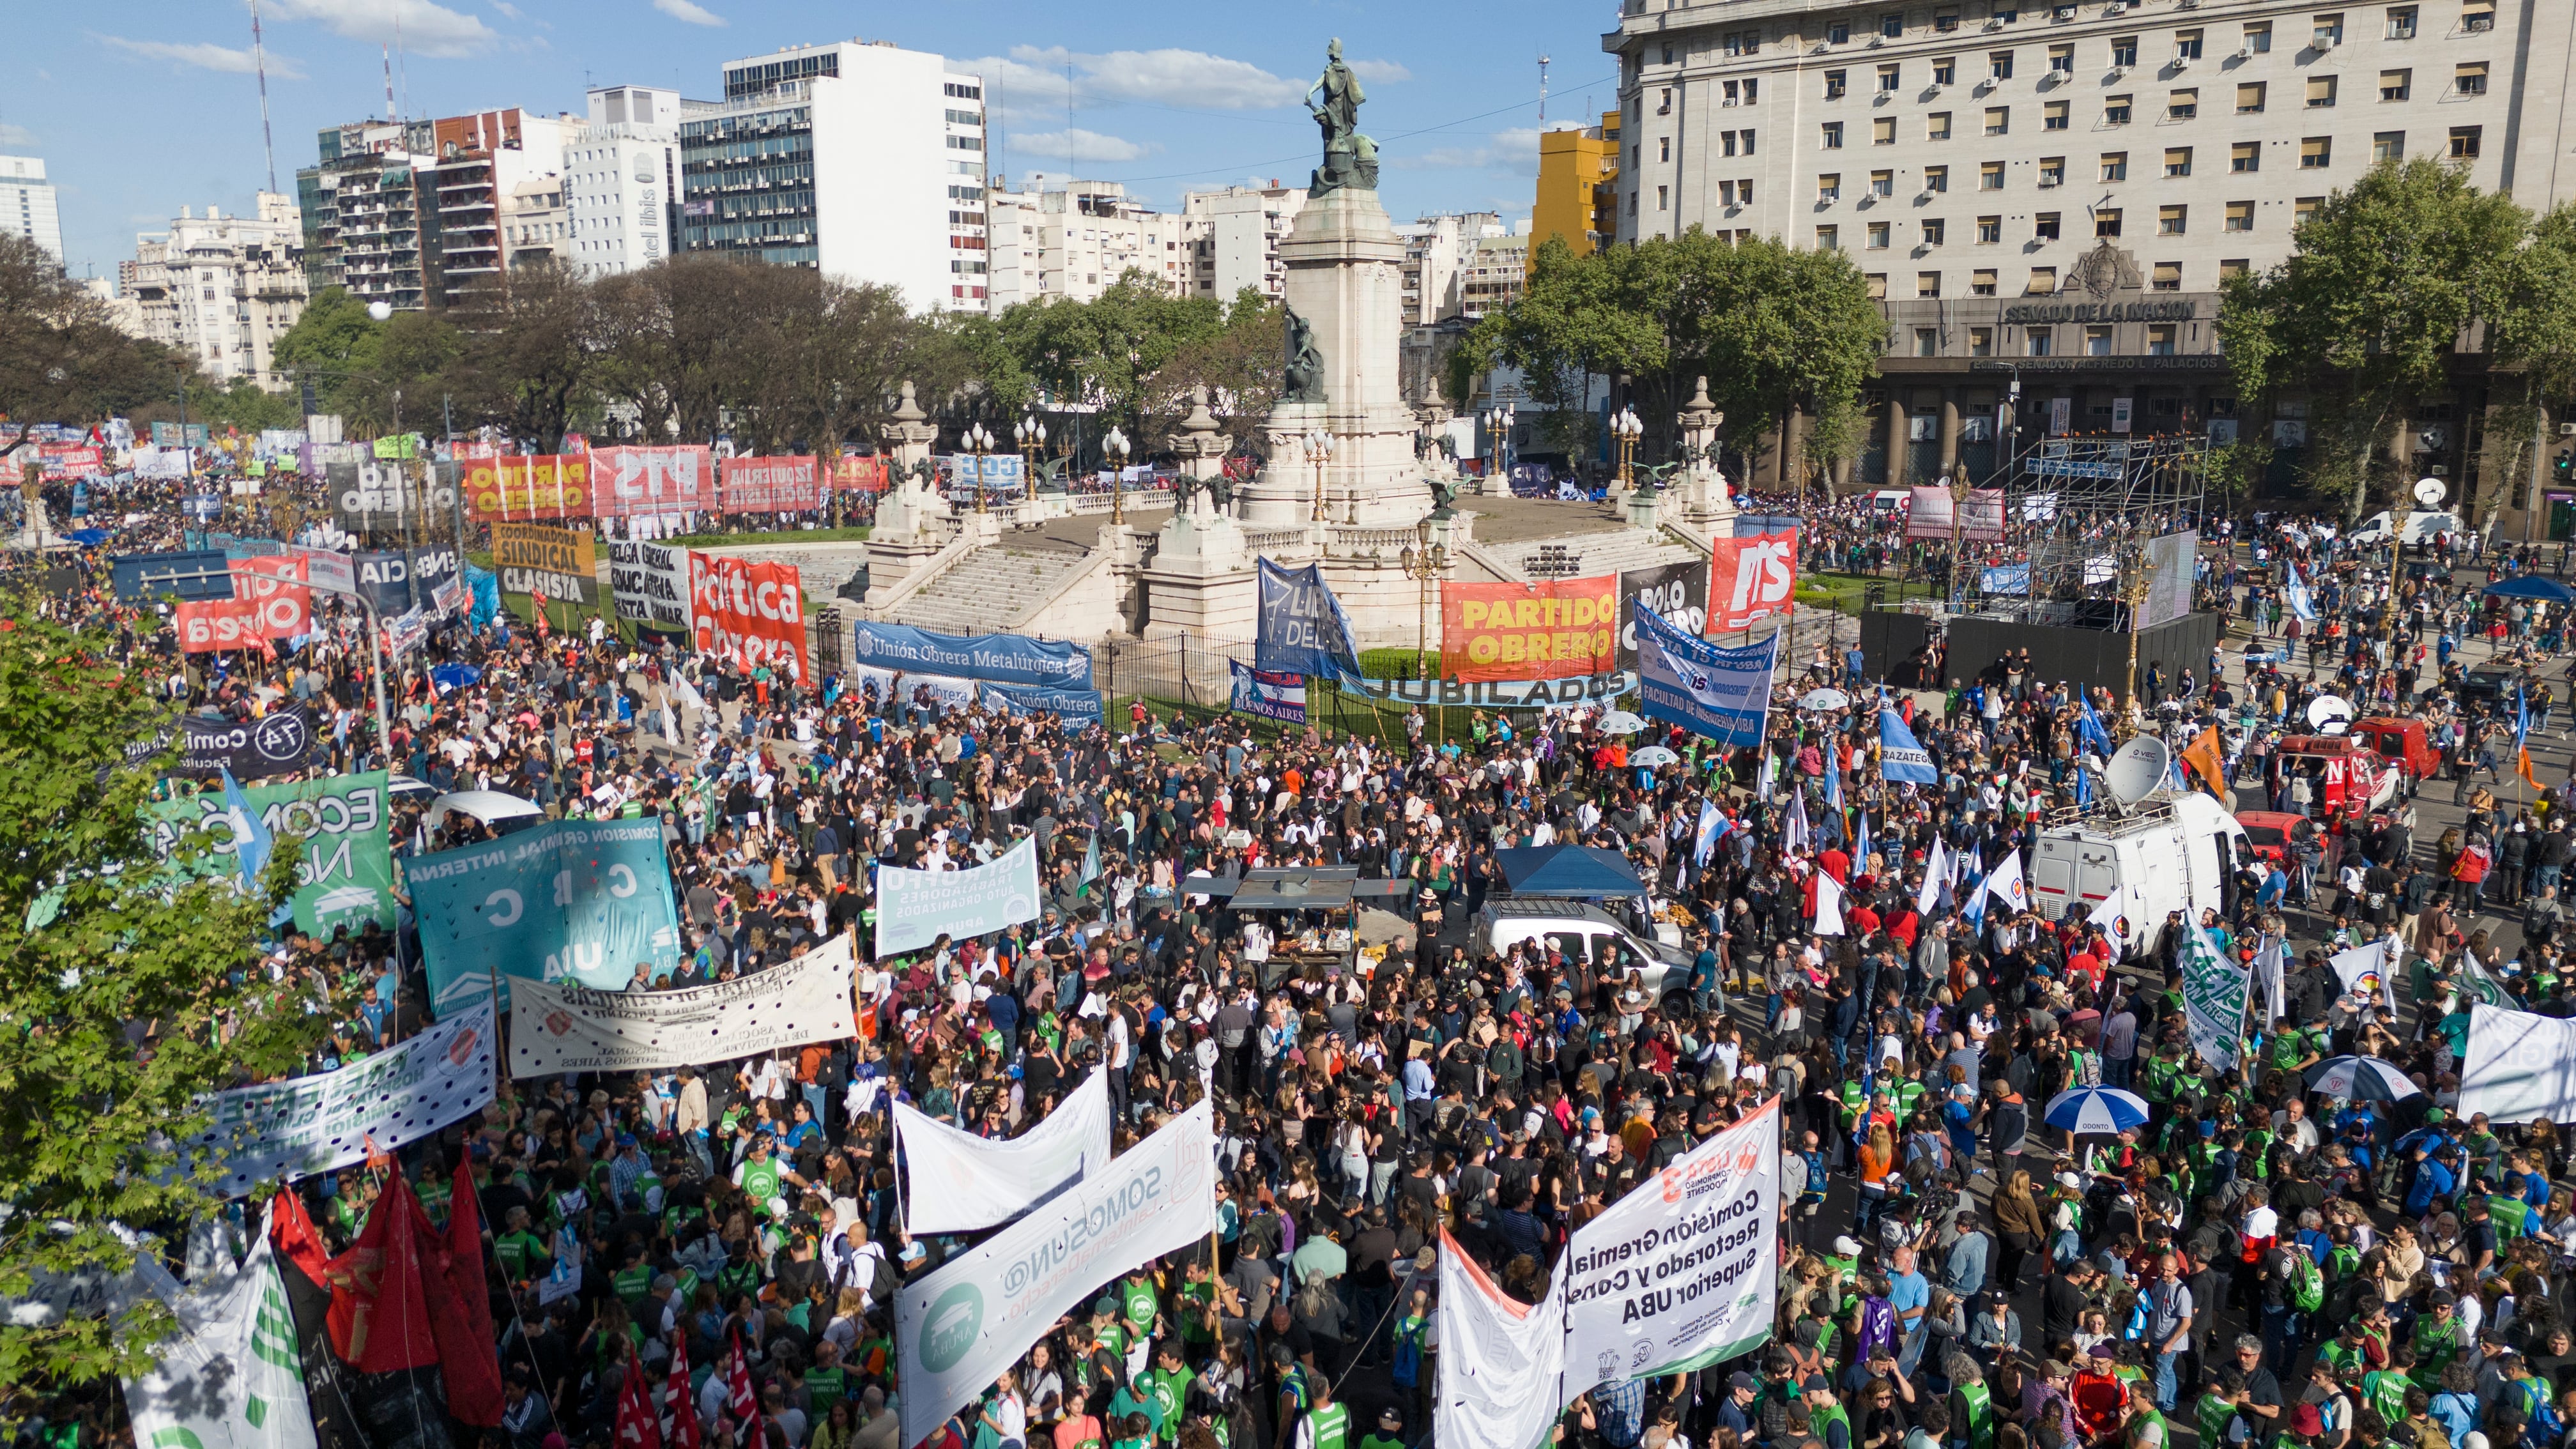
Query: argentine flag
column 2296, row 591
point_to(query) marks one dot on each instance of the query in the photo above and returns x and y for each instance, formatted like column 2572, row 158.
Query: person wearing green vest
column 1389, row 1433
column 761, row 1179
column 1168, row 1382
column 826, row 1383
column 2216, row 1407
column 1328, row 1423
column 522, row 1253
column 2436, row 1340
column 1142, row 1304
column 1825, row 1415
column 635, row 1279
column 1106, row 1331
column 1972, row 1404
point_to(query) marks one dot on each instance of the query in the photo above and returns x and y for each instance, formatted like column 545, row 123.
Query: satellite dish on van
column 2138, row 769
column 2430, row 492
column 2329, row 714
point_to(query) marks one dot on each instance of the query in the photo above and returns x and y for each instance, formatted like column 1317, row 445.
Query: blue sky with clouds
column 143, row 106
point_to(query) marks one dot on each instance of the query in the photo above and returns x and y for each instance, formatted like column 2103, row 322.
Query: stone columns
column 1949, row 430
column 1896, row 439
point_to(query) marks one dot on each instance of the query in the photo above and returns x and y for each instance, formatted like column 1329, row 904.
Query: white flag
column 1829, row 906
column 1794, row 836
column 2004, row 883
column 234, row 1377
column 1936, row 871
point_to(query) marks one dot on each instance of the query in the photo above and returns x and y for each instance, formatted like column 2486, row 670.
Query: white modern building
column 858, row 158
column 1234, row 238
column 27, row 203
column 221, row 289
column 622, row 179
column 1435, row 247
column 1077, row 240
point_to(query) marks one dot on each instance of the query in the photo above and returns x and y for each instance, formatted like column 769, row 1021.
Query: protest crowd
column 1404, row 1095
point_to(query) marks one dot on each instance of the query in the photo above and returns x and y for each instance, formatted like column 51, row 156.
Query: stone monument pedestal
column 1346, row 282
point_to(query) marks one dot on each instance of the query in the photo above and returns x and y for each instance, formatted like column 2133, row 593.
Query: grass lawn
column 792, row 535
column 1843, row 593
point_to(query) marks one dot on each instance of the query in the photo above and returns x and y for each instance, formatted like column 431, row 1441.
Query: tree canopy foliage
column 88, row 1145
column 1772, row 327
column 61, row 358
column 1133, row 354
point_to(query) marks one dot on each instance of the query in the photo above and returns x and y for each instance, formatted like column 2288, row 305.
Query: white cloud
column 1514, row 150
column 16, row 135
column 1078, row 145
column 508, row 10
column 422, row 27
column 1030, row 83
column 206, row 57
column 1386, row 72
column 685, row 11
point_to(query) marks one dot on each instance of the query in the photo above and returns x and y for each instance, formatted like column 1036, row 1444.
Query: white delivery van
column 1585, row 933
column 2169, row 852
column 2420, row 525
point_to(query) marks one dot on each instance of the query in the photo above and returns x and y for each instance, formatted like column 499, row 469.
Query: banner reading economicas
column 1683, row 1271
column 347, row 871
column 562, row 1026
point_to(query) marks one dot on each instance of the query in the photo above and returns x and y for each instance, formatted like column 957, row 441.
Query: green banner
column 2213, row 1000
column 348, row 867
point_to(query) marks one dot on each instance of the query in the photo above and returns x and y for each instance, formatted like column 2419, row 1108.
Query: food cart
column 1320, row 905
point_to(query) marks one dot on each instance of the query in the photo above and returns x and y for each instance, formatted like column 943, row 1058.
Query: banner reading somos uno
column 1548, row 630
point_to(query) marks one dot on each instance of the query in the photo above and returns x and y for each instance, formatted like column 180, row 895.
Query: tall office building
column 221, row 289
column 858, row 158
column 27, row 203
column 2054, row 191
column 622, row 179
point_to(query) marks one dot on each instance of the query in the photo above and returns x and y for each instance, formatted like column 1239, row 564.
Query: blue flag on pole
column 1302, row 628
column 252, row 842
column 2089, row 732
column 2296, row 591
column 1902, row 760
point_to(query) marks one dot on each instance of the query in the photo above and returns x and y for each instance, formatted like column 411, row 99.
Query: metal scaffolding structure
column 2079, row 512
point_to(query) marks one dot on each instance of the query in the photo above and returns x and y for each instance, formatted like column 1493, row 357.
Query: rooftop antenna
column 389, row 81
column 406, row 61
column 259, row 61
column 1542, row 92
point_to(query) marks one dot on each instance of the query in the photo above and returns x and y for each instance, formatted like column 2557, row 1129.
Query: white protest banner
column 2520, row 1066
column 958, row 1328
column 1683, row 1271
column 233, row 1377
column 563, row 1026
column 956, row 1182
column 917, row 907
column 2213, row 1000
column 294, row 1129
column 1498, row 1358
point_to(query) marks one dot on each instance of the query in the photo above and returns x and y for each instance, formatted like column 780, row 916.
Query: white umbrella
column 2361, row 1079
column 1621, row 722
column 1823, row 699
column 2095, row 1109
column 1651, row 756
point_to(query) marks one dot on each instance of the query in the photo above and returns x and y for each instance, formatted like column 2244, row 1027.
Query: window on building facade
column 2321, row 92
column 1663, row 197
column 1936, row 126
column 2172, row 220
column 2326, row 32
column 1936, row 178
column 1999, row 65
column 1878, row 231
column 2258, row 36
column 2249, row 98
column 1890, row 77
column 1990, row 176
column 2388, row 146
column 2036, row 341
column 2106, row 221
column 1892, row 27
column 1877, row 283
column 2115, row 110
column 2233, row 267
column 1998, row 120
column 1981, row 341
column 2305, row 207
column 1981, row 282
column 2401, row 22
column 1945, row 70
column 2052, row 171
column 2160, row 339
column 1945, row 21
column 2061, row 59
column 2124, row 50
column 1837, row 32
column 1882, row 131
column 2115, row 165
column 1882, row 183
column 1831, row 136
column 2470, row 78
column 2477, row 16
column 2182, row 105
column 2097, row 341
column 1829, row 239
column 2240, row 216
column 2464, row 143
column 2054, row 115
column 1935, row 231
column 2046, row 226
column 1990, row 229
column 2316, row 153
column 2186, row 45
column 2167, row 277
column 1829, row 187
column 1836, row 85
column 2396, row 85
column 1927, row 284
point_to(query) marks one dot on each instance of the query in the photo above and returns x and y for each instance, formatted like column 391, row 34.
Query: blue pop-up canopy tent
column 1567, row 870
column 2531, row 586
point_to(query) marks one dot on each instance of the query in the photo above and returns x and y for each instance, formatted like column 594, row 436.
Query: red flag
column 636, row 1426
column 379, row 1306
column 683, row 1405
column 739, row 1398
column 294, row 1235
column 460, row 1304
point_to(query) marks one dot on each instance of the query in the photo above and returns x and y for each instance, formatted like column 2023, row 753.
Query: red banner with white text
column 772, row 485
column 749, row 612
column 635, row 482
column 1751, row 578
column 275, row 585
column 208, row 625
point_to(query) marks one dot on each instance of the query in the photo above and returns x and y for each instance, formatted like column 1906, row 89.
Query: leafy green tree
column 61, row 359
column 1104, row 354
column 88, row 1142
column 2368, row 311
